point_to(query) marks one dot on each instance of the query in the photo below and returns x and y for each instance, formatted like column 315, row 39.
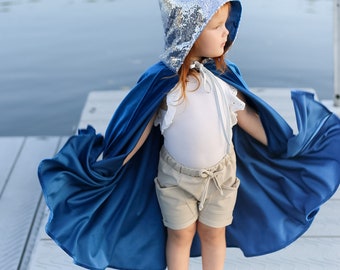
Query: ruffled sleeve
column 235, row 104
column 166, row 115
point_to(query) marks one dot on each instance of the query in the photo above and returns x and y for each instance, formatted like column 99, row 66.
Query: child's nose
column 226, row 32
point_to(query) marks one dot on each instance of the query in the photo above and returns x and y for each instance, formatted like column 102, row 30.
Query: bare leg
column 178, row 247
column 213, row 246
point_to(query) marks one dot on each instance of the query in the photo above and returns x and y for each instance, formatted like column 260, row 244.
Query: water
column 53, row 53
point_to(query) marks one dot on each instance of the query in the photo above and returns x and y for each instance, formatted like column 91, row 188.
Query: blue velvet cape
column 105, row 214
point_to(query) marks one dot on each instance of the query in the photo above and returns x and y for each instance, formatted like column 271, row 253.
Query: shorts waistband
column 164, row 154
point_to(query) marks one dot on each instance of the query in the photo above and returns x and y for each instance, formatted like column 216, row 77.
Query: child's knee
column 185, row 235
column 210, row 234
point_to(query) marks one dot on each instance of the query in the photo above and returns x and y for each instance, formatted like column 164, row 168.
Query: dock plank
column 20, row 201
column 10, row 149
column 99, row 108
column 327, row 222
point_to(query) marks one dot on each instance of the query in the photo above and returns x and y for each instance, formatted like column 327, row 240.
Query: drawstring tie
column 209, row 176
column 221, row 99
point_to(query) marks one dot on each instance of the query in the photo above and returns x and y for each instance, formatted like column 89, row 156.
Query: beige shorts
column 186, row 195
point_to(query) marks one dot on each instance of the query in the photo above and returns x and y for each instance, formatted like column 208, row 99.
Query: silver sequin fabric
column 184, row 20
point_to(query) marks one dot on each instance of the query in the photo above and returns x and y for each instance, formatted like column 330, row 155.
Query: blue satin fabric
column 105, row 214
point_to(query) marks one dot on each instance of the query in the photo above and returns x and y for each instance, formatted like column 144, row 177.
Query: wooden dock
column 25, row 245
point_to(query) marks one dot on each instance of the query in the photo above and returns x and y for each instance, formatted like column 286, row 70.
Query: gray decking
column 21, row 205
column 24, row 245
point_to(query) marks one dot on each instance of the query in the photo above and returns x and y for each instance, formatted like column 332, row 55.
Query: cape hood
column 183, row 22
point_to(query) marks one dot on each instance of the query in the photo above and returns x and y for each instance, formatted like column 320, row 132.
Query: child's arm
column 141, row 140
column 250, row 122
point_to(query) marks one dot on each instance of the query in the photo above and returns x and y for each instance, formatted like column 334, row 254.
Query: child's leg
column 213, row 246
column 178, row 247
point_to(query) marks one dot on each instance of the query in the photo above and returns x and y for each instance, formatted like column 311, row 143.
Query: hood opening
column 183, row 22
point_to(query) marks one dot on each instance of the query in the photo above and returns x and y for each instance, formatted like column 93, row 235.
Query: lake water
column 53, row 53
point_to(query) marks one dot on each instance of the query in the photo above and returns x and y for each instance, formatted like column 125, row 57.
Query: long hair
column 185, row 70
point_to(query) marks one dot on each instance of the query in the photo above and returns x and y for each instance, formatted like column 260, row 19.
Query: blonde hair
column 185, row 70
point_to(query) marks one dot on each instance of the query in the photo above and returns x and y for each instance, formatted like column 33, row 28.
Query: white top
column 197, row 130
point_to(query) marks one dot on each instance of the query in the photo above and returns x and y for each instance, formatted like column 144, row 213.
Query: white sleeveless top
column 197, row 130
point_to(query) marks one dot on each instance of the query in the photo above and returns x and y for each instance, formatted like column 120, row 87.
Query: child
column 174, row 131
column 196, row 183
